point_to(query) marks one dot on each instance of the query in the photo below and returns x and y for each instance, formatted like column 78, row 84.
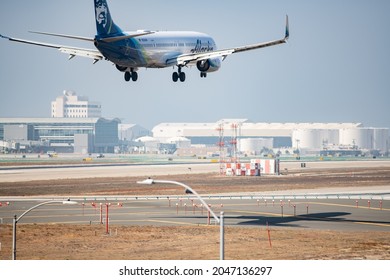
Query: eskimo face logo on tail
column 101, row 12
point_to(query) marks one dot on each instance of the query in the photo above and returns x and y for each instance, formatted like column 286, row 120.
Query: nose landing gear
column 178, row 75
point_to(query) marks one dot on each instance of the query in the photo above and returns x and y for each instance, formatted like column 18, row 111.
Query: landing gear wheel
column 203, row 74
column 175, row 76
column 134, row 76
column 182, row 76
column 179, row 75
column 131, row 76
column 127, row 76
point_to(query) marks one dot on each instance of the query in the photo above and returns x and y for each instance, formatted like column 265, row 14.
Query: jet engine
column 208, row 65
column 121, row 68
column 203, row 65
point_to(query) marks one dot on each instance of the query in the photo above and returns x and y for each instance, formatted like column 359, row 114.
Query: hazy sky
column 335, row 68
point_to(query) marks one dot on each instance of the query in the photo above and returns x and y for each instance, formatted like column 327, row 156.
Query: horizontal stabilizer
column 118, row 38
column 64, row 36
column 107, row 39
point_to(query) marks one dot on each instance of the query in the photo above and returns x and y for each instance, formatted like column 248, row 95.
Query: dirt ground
column 70, row 242
column 203, row 183
column 77, row 242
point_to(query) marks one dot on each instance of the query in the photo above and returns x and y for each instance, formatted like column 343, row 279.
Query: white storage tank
column 360, row 137
column 381, row 139
column 330, row 137
column 255, row 145
column 307, row 139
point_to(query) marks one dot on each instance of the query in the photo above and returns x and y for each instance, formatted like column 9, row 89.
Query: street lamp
column 219, row 220
column 15, row 220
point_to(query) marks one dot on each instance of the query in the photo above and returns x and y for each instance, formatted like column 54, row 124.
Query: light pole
column 219, row 220
column 15, row 220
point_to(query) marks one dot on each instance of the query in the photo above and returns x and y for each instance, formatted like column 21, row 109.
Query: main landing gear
column 131, row 75
column 178, row 76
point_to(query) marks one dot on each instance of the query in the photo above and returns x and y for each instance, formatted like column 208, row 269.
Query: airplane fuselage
column 157, row 50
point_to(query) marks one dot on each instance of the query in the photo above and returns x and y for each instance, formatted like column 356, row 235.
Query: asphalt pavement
column 325, row 214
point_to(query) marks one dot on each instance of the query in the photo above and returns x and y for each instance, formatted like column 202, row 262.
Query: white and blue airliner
column 130, row 51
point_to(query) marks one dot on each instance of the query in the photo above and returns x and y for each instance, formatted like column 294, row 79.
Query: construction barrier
column 268, row 166
column 256, row 167
column 242, row 169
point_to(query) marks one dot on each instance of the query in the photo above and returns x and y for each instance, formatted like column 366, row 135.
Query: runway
column 359, row 208
column 33, row 173
column 92, row 171
column 325, row 214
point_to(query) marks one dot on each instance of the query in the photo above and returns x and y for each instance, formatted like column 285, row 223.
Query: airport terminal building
column 78, row 135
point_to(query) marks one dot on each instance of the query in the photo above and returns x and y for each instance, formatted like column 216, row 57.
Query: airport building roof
column 246, row 129
column 48, row 120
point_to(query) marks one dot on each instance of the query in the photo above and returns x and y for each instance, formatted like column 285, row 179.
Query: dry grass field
column 71, row 242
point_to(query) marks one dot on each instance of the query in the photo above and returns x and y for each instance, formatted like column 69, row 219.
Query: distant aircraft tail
column 104, row 24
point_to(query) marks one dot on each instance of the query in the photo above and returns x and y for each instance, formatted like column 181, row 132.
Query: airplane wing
column 184, row 59
column 72, row 51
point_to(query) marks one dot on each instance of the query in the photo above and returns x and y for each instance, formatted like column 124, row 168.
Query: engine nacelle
column 209, row 65
column 121, row 68
column 203, row 65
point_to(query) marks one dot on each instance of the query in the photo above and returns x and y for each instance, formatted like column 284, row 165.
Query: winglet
column 287, row 34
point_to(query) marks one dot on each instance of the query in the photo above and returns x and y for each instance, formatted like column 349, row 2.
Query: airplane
column 129, row 51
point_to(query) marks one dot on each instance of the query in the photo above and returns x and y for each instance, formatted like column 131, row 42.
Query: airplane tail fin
column 104, row 24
